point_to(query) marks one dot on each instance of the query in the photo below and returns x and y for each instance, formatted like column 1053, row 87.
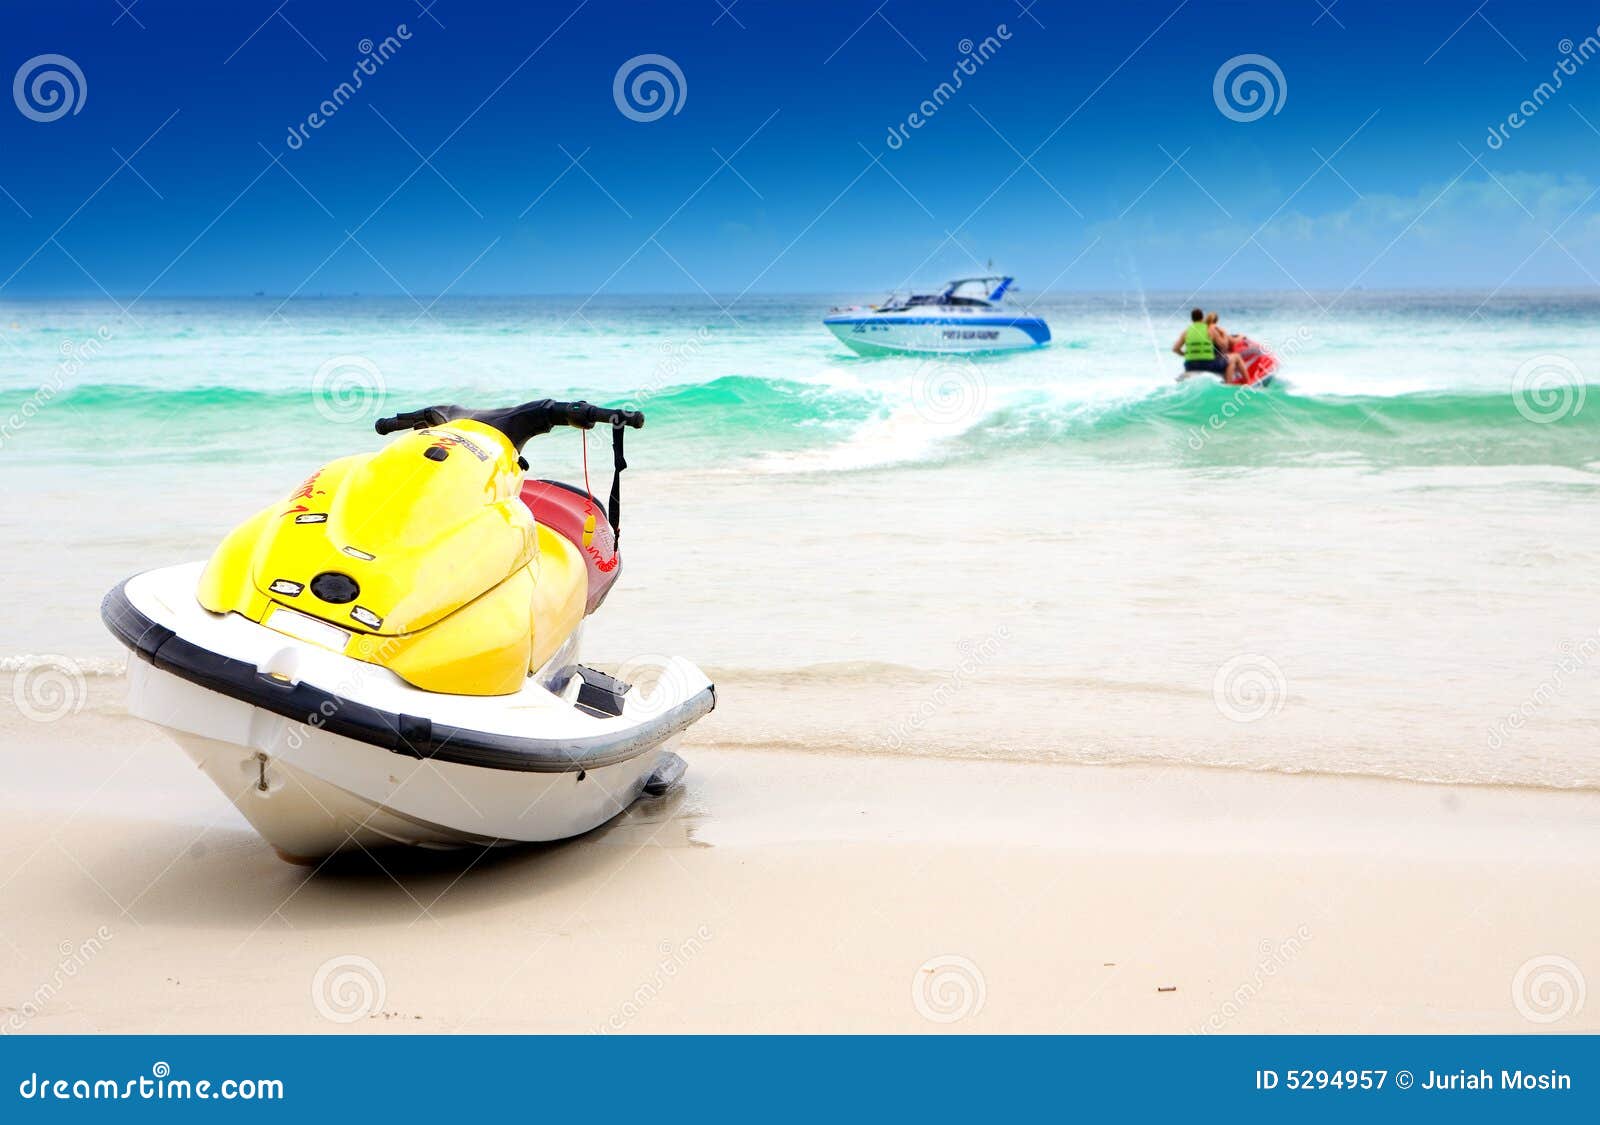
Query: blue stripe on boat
column 1036, row 328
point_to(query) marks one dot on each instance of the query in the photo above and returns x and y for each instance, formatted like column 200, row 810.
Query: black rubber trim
column 412, row 735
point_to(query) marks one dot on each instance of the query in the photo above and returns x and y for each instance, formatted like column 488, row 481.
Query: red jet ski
column 1258, row 362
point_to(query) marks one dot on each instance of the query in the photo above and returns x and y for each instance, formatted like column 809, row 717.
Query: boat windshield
column 976, row 290
column 969, row 292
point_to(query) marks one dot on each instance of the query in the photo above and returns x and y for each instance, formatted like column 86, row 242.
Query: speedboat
column 389, row 654
column 968, row 315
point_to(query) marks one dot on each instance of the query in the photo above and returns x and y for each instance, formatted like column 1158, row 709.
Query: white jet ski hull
column 294, row 735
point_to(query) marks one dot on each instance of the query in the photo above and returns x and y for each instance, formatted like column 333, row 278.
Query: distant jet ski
column 1259, row 365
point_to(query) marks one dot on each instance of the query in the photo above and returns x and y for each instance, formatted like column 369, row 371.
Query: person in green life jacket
column 1207, row 348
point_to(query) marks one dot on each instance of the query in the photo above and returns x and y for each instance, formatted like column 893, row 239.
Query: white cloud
column 1473, row 231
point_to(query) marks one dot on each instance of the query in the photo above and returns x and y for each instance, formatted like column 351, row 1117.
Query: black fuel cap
column 331, row 586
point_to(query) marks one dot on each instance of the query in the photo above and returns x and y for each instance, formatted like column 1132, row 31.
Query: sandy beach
column 805, row 891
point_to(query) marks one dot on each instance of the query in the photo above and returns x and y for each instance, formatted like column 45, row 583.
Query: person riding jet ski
column 1207, row 348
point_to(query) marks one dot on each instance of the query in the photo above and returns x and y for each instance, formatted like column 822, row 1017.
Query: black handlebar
column 413, row 420
column 517, row 423
column 585, row 415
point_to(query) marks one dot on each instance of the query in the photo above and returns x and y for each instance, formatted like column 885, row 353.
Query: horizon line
column 712, row 298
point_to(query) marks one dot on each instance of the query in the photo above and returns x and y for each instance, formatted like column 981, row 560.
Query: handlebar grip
column 633, row 419
column 410, row 420
column 585, row 415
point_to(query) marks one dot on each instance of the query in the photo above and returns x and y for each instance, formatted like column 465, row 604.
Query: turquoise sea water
column 1385, row 378
column 1391, row 549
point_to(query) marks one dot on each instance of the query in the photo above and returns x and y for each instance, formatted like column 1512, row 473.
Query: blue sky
column 1134, row 174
